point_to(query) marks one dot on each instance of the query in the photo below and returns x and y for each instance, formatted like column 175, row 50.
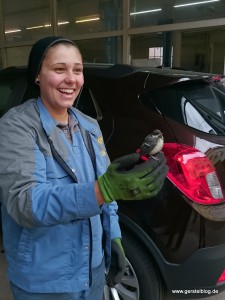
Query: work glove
column 118, row 263
column 129, row 178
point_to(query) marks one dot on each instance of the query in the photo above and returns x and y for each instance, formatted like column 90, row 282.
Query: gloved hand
column 129, row 179
column 118, row 263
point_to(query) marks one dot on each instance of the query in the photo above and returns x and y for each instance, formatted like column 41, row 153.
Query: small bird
column 153, row 144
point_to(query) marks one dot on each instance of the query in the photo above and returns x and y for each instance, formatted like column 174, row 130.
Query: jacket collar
column 49, row 124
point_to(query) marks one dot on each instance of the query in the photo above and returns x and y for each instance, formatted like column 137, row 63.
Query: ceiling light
column 46, row 25
column 39, row 26
column 12, row 31
column 63, row 23
column 145, row 11
column 35, row 27
column 195, row 3
column 87, row 19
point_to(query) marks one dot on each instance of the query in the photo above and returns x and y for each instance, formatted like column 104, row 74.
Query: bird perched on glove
column 152, row 144
column 135, row 176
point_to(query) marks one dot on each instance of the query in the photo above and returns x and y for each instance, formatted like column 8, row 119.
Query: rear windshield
column 197, row 104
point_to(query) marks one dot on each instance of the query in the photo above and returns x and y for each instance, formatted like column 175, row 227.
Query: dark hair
column 38, row 52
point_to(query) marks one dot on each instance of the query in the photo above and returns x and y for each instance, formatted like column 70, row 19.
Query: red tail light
column 222, row 277
column 193, row 173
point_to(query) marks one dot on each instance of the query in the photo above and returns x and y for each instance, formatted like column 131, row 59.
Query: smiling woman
column 60, row 189
column 58, row 184
column 60, row 80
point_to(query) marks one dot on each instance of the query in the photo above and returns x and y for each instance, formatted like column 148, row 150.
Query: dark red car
column 176, row 241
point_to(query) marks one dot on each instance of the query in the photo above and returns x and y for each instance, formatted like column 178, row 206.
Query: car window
column 196, row 104
column 220, row 95
column 193, row 118
column 5, row 92
column 87, row 104
column 207, row 97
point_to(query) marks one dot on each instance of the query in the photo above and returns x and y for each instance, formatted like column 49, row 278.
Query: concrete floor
column 5, row 293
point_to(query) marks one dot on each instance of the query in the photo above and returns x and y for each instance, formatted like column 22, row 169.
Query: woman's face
column 61, row 78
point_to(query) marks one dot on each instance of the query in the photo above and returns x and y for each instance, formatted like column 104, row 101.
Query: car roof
column 154, row 77
column 122, row 70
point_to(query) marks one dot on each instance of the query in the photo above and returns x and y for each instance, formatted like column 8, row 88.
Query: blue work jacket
column 47, row 229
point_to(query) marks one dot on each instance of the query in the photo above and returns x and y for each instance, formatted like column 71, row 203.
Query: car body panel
column 181, row 240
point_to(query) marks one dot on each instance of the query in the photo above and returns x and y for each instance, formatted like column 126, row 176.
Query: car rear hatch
column 194, row 109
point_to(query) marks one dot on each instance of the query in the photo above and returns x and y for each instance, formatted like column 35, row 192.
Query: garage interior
column 171, row 33
column 186, row 34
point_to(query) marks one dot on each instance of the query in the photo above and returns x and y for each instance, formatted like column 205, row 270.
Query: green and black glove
column 129, row 179
column 118, row 263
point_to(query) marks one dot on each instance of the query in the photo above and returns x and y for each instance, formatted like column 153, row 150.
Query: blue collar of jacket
column 49, row 124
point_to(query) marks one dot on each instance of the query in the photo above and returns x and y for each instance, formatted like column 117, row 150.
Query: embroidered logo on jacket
column 100, row 140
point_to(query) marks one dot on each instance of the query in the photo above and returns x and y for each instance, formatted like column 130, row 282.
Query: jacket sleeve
column 30, row 199
column 114, row 221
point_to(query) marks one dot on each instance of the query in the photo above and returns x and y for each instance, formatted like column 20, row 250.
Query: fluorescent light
column 38, row 27
column 63, row 23
column 145, row 11
column 195, row 3
column 46, row 25
column 12, row 31
column 35, row 27
column 87, row 18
